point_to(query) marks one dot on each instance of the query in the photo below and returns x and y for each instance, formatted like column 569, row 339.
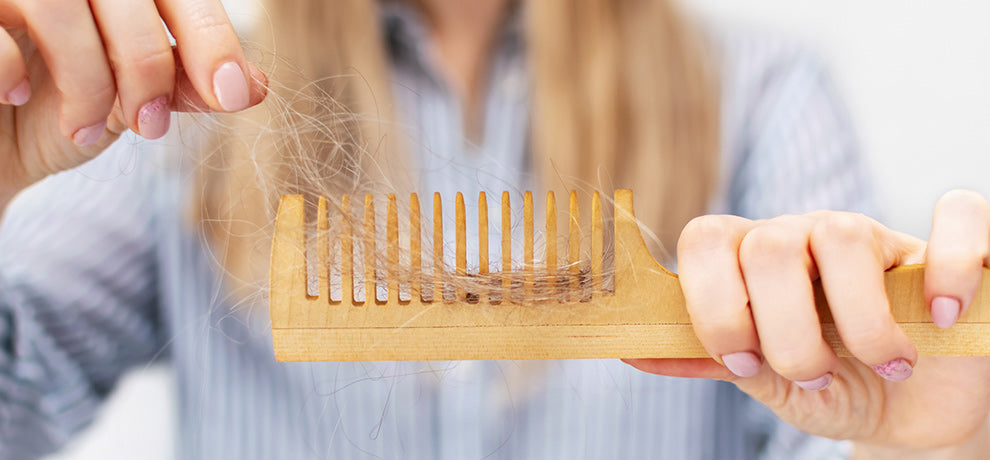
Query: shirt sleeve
column 795, row 152
column 78, row 296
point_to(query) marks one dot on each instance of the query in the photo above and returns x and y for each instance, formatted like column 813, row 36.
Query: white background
column 915, row 74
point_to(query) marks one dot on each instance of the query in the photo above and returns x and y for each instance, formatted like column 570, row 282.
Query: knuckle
column 103, row 93
column 55, row 3
column 962, row 257
column 12, row 72
column 842, row 228
column 204, row 21
column 52, row 12
column 98, row 98
column 94, row 87
column 150, row 65
column 38, row 7
column 771, row 242
column 867, row 337
column 722, row 328
column 158, row 56
column 9, row 54
column 705, row 232
column 966, row 200
column 795, row 362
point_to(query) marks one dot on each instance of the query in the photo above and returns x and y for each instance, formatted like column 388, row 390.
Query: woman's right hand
column 74, row 74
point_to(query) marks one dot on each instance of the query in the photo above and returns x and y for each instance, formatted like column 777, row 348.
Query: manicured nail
column 90, row 134
column 153, row 118
column 742, row 363
column 895, row 370
column 818, row 384
column 20, row 94
column 231, row 88
column 945, row 311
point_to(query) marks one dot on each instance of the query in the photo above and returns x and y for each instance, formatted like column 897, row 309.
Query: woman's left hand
column 748, row 286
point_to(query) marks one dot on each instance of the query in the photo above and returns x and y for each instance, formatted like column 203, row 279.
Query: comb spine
column 370, row 259
column 288, row 270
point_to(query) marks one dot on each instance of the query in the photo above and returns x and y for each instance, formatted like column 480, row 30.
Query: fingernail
column 895, row 370
column 230, row 87
column 945, row 311
column 818, row 384
column 90, row 134
column 20, row 94
column 742, row 363
column 153, row 118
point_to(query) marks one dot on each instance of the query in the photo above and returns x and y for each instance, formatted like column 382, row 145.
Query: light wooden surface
column 644, row 317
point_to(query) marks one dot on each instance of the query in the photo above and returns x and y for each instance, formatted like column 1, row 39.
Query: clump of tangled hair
column 624, row 96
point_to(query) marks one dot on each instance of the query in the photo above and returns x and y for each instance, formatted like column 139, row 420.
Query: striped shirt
column 100, row 271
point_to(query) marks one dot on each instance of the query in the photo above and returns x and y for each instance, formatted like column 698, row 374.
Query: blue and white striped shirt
column 101, row 271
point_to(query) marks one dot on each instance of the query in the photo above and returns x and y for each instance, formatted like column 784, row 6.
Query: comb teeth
column 404, row 273
column 533, row 314
column 441, row 312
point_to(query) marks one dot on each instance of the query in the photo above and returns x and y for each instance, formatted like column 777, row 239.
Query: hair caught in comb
column 546, row 311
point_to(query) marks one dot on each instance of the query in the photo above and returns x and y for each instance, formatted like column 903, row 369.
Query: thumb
column 188, row 100
column 704, row 368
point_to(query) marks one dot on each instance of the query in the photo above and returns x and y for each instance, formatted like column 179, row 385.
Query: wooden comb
column 643, row 316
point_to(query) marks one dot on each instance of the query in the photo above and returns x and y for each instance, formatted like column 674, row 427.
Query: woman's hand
column 748, row 286
column 74, row 74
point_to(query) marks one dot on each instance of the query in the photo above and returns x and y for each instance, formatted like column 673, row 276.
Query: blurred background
column 915, row 75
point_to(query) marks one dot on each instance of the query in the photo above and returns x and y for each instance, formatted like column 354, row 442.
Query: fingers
column 850, row 251
column 102, row 51
column 81, row 72
column 141, row 56
column 957, row 252
column 186, row 98
column 778, row 270
column 707, row 256
column 210, row 52
column 14, row 86
column 748, row 288
column 728, row 262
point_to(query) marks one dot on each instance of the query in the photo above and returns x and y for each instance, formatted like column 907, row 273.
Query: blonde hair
column 624, row 96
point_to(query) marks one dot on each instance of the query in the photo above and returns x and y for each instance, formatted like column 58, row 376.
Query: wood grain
column 644, row 317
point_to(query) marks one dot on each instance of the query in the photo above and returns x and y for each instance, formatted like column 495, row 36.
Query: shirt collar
column 406, row 34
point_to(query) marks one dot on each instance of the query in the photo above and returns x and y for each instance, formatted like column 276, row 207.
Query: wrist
column 976, row 447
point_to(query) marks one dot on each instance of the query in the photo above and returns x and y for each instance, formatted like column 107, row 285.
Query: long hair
column 624, row 96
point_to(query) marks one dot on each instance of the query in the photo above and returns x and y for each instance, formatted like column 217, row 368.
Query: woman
column 629, row 79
